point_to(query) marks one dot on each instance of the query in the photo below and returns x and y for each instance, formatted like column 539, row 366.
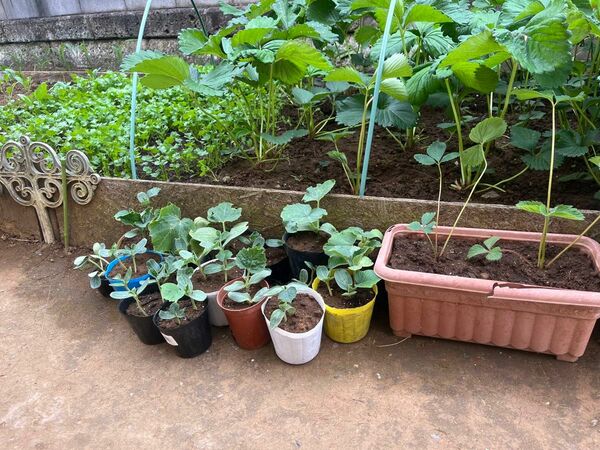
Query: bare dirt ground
column 73, row 375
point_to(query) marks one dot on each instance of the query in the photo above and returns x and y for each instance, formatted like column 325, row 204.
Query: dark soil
column 230, row 304
column 573, row 270
column 307, row 315
column 190, row 314
column 275, row 255
column 337, row 300
column 214, row 282
column 140, row 261
column 150, row 303
column 393, row 172
column 307, row 241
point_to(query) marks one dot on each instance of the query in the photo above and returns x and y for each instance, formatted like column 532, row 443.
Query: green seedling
column 349, row 262
column 208, row 237
column 132, row 251
column 174, row 312
column 286, row 296
column 253, row 262
column 255, row 239
column 489, row 248
column 175, row 292
column 435, row 155
column 303, row 217
column 98, row 260
column 536, row 207
column 127, row 292
column 140, row 220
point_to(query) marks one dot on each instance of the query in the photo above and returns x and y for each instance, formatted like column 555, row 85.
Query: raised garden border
column 94, row 222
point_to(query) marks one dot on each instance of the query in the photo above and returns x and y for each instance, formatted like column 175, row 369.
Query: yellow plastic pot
column 347, row 325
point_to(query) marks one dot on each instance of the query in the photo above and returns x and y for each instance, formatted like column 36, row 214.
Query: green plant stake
column 367, row 155
column 65, row 205
column 134, row 82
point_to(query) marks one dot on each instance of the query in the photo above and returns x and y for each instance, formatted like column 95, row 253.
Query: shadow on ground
column 73, row 375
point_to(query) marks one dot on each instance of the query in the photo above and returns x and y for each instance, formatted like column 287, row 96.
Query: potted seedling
column 305, row 235
column 500, row 295
column 212, row 235
column 347, row 283
column 140, row 220
column 183, row 318
column 294, row 314
column 241, row 299
column 277, row 259
column 138, row 306
column 98, row 260
column 134, row 257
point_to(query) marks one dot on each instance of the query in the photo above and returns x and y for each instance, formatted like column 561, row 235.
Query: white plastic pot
column 298, row 348
column 216, row 316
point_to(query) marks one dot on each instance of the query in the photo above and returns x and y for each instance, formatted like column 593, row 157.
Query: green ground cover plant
column 176, row 136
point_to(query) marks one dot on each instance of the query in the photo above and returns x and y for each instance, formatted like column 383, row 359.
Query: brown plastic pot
column 537, row 319
column 247, row 325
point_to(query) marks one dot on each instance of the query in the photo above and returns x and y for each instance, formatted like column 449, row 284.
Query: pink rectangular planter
column 500, row 313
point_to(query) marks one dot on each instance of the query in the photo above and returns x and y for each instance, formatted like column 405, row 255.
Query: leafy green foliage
column 302, row 216
column 216, row 237
column 174, row 311
column 348, row 265
column 425, row 225
column 169, row 231
column 559, row 211
column 125, row 291
column 252, row 260
column 286, row 296
column 435, row 155
column 489, row 248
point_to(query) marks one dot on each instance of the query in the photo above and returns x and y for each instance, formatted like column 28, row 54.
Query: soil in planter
column 337, row 300
column 573, row 270
column 140, row 262
column 190, row 314
column 307, row 315
column 230, row 304
column 150, row 303
column 213, row 282
column 307, row 241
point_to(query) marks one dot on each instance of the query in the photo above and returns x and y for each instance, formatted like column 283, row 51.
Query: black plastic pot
column 280, row 273
column 191, row 339
column 143, row 327
column 105, row 288
column 299, row 258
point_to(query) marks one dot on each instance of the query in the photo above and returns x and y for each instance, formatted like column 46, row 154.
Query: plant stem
column 591, row 171
column 575, row 241
column 506, row 180
column 542, row 249
column 139, row 305
column 462, row 210
column 361, row 141
column 509, row 89
column 437, row 214
column 456, row 115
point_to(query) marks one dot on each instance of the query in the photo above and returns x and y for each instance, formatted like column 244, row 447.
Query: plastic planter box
column 500, row 313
